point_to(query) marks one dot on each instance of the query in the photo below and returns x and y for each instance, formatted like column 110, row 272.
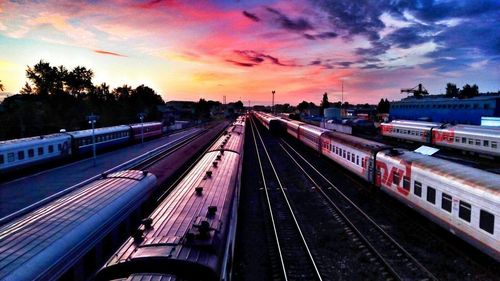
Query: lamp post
column 141, row 117
column 272, row 108
column 92, row 119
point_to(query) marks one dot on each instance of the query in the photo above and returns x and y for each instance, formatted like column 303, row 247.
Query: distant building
column 438, row 108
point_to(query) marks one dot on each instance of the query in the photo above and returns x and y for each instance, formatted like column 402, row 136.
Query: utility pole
column 92, row 119
column 342, row 91
column 141, row 117
column 272, row 108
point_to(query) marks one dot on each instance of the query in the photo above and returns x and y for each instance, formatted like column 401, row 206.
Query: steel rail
column 311, row 258
column 327, row 197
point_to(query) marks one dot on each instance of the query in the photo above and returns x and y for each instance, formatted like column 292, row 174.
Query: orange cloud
column 109, row 53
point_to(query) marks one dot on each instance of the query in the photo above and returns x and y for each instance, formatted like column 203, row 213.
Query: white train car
column 355, row 154
column 67, row 238
column 413, row 131
column 19, row 153
column 462, row 199
column 478, row 139
column 310, row 135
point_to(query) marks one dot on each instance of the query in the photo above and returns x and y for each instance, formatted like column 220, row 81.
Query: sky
column 187, row 50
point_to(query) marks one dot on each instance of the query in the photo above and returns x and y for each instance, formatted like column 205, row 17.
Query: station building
column 438, row 108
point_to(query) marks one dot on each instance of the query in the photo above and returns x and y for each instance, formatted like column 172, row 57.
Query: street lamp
column 92, row 119
column 141, row 117
column 272, row 108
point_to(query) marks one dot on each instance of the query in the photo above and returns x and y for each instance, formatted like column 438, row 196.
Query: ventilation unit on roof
column 147, row 222
column 209, row 174
column 211, row 211
column 198, row 190
column 214, row 164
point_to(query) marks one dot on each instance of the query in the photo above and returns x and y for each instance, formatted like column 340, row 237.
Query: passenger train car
column 462, row 199
column 475, row 139
column 27, row 152
column 67, row 238
column 190, row 235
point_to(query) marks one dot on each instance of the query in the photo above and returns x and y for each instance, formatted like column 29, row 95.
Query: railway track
column 392, row 260
column 296, row 261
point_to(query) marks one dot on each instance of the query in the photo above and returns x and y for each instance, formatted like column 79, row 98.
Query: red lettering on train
column 386, row 129
column 386, row 177
column 447, row 137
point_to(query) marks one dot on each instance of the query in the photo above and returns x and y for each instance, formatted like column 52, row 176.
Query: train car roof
column 469, row 176
column 314, row 129
column 232, row 140
column 409, row 126
column 8, row 144
column 189, row 226
column 36, row 243
column 416, row 122
column 474, row 130
column 357, row 142
column 104, row 130
column 145, row 124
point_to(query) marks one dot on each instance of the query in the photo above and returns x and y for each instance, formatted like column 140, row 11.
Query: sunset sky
column 187, row 50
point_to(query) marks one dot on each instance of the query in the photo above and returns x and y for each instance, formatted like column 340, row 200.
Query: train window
column 446, row 202
column 395, row 179
column 59, row 147
column 406, row 183
column 431, row 195
column 40, row 151
column 357, row 160
column 486, row 143
column 348, row 155
column 20, row 155
column 464, row 211
column 1, row 159
column 486, row 221
column 478, row 142
column 31, row 152
column 486, row 106
column 493, row 144
column 51, row 148
column 471, row 141
column 343, row 153
column 10, row 157
column 464, row 140
column 457, row 139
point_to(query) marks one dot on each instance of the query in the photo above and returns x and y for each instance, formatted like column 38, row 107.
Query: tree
column 238, row 105
column 304, row 105
column 123, row 92
column 324, row 104
column 46, row 79
column 451, row 90
column 383, row 106
column 1, row 86
column 469, row 91
column 26, row 90
column 78, row 81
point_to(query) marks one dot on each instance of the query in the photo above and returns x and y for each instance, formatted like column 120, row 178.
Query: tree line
column 55, row 98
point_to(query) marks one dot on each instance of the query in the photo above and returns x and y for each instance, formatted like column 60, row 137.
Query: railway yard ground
column 345, row 230
column 301, row 216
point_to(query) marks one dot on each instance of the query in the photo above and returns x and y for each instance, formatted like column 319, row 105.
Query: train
column 191, row 234
column 471, row 138
column 27, row 152
column 461, row 199
column 67, row 238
